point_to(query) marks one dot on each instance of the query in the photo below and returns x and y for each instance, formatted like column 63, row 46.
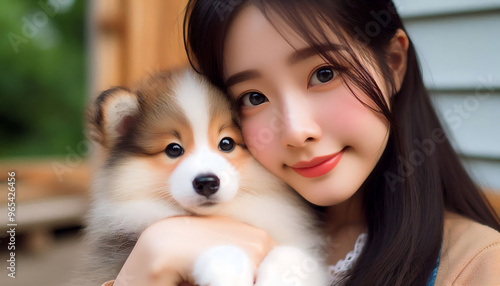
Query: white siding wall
column 458, row 42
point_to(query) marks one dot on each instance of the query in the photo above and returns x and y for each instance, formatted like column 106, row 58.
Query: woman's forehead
column 252, row 39
column 251, row 36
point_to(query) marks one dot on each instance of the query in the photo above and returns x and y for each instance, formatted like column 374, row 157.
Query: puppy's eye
column 174, row 150
column 226, row 144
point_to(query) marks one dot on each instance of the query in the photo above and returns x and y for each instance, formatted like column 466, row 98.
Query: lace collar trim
column 338, row 270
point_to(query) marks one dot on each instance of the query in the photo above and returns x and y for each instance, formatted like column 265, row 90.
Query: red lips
column 318, row 166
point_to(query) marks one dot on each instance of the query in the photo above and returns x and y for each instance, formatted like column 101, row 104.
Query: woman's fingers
column 167, row 250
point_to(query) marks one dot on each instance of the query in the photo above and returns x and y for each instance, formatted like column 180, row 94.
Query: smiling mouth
column 318, row 166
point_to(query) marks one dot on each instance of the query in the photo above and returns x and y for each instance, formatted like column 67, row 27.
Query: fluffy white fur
column 192, row 97
column 204, row 161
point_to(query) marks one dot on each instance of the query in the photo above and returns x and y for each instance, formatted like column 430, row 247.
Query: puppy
column 172, row 147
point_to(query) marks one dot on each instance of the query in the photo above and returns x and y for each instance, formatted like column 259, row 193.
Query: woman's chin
column 325, row 197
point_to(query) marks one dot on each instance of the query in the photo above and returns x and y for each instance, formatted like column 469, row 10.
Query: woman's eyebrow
column 294, row 58
column 242, row 76
column 307, row 52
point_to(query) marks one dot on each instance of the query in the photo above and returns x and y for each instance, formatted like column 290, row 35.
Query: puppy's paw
column 224, row 265
column 290, row 266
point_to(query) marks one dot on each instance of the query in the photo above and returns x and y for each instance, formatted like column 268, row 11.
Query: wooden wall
column 130, row 39
column 458, row 42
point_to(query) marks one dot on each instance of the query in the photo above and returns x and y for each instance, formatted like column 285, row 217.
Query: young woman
column 331, row 100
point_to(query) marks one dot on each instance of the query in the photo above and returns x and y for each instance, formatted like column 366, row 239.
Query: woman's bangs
column 318, row 31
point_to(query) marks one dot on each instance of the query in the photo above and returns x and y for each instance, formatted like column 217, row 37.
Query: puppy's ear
column 111, row 115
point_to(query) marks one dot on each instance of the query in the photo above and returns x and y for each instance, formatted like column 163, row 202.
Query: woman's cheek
column 255, row 136
column 341, row 114
column 360, row 127
column 261, row 140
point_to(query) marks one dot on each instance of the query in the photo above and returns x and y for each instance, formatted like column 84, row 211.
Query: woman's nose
column 300, row 126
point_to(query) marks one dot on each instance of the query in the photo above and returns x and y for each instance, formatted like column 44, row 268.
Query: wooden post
column 131, row 39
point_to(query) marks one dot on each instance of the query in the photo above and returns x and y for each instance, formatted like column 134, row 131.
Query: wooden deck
column 45, row 199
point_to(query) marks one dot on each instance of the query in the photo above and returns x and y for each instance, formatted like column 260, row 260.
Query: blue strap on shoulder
column 432, row 278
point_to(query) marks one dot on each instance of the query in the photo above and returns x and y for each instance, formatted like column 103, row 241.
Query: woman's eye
column 174, row 150
column 226, row 144
column 322, row 75
column 253, row 99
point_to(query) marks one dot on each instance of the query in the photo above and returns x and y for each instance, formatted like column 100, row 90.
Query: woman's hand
column 166, row 251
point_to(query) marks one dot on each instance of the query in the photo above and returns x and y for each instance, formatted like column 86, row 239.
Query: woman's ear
column 397, row 53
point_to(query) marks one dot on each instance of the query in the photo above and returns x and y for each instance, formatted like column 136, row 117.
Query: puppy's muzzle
column 206, row 185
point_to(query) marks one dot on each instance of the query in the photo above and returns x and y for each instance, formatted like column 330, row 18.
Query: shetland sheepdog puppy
column 172, row 147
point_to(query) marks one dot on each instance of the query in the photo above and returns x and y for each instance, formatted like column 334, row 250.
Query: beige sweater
column 470, row 254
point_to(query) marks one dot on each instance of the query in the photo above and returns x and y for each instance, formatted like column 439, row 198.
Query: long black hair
column 419, row 175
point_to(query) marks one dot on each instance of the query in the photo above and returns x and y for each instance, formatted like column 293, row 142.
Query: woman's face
column 298, row 117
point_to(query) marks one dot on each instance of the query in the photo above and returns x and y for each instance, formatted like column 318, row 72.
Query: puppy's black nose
column 206, row 185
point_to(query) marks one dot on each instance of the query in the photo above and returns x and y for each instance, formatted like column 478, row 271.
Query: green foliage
column 42, row 77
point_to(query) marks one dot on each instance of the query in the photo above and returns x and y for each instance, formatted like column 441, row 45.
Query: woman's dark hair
column 419, row 175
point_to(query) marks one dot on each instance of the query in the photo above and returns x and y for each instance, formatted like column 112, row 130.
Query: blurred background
column 55, row 55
